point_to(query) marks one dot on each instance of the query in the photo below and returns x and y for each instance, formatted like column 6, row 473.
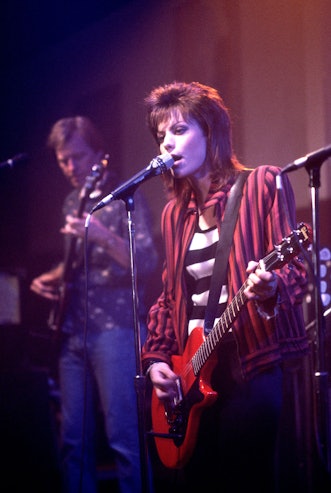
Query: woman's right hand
column 164, row 380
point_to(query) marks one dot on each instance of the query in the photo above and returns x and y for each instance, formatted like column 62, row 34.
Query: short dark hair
column 203, row 104
column 63, row 130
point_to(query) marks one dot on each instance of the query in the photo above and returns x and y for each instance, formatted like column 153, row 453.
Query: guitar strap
column 223, row 249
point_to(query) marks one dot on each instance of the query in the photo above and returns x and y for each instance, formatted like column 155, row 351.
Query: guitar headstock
column 289, row 247
column 93, row 180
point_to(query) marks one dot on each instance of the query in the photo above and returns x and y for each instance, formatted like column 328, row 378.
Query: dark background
column 52, row 59
column 101, row 58
column 32, row 190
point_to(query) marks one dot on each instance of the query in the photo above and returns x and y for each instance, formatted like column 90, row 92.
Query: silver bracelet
column 268, row 316
column 265, row 315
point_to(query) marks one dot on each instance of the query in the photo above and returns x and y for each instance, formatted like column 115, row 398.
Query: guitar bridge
column 175, row 415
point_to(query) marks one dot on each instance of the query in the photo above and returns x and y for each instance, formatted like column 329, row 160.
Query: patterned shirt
column 199, row 265
column 109, row 284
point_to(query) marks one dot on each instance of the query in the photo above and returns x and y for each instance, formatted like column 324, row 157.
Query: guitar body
column 176, row 432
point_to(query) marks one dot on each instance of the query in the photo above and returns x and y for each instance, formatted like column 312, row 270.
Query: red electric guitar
column 175, row 425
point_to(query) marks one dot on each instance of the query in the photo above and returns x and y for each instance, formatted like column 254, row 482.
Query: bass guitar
column 92, row 181
column 175, row 424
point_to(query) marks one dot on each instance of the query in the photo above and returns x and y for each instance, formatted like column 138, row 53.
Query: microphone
column 14, row 160
column 310, row 160
column 159, row 165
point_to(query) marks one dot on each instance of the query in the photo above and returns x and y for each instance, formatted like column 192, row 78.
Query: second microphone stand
column 140, row 379
column 320, row 373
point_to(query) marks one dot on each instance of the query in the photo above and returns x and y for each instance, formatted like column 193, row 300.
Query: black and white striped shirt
column 199, row 264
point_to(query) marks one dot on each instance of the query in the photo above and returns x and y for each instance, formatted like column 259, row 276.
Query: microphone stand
column 140, row 379
column 320, row 373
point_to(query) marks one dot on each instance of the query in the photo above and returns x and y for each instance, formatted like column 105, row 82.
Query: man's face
column 76, row 159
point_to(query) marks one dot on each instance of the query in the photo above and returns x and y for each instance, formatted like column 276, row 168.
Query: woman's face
column 187, row 144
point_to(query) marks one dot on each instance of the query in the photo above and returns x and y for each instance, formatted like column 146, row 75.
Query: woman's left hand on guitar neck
column 262, row 287
column 261, row 284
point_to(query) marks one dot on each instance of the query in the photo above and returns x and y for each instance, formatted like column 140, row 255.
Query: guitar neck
column 91, row 181
column 224, row 324
column 72, row 240
column 69, row 260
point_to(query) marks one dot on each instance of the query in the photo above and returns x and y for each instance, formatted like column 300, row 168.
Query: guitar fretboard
column 224, row 324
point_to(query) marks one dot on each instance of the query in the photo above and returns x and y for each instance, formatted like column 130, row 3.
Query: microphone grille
column 164, row 162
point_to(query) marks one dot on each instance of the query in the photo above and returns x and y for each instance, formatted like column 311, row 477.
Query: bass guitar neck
column 56, row 316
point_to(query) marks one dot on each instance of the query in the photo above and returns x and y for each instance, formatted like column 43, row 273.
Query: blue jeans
column 110, row 372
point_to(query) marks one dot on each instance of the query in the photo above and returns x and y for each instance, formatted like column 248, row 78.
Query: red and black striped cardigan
column 262, row 223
